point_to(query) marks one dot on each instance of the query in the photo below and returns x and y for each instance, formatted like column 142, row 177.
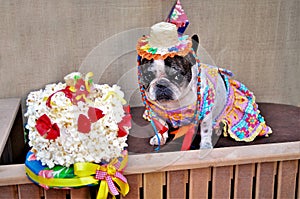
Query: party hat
column 178, row 17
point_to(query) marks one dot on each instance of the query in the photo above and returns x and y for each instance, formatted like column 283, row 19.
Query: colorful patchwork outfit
column 241, row 116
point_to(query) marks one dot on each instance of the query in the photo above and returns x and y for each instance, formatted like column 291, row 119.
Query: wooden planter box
column 257, row 171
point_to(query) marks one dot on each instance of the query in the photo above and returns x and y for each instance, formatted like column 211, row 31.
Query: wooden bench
column 253, row 171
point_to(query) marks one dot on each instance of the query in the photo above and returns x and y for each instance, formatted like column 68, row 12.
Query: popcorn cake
column 73, row 123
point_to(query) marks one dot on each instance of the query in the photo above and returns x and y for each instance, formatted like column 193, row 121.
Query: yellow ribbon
column 112, row 93
column 86, row 169
column 61, row 182
column 85, row 175
column 87, row 83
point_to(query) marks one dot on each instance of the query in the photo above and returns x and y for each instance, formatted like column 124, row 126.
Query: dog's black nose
column 161, row 86
column 163, row 92
column 162, row 83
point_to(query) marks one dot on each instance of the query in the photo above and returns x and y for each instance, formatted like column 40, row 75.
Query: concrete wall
column 41, row 41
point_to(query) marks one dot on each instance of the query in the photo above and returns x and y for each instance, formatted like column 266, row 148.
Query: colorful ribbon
column 87, row 173
column 61, row 182
column 109, row 175
column 112, row 93
column 67, row 91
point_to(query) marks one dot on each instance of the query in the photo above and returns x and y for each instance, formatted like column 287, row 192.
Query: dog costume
column 241, row 118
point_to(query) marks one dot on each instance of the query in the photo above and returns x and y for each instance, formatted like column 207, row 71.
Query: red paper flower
column 84, row 122
column 95, row 114
column 126, row 109
column 46, row 129
column 125, row 124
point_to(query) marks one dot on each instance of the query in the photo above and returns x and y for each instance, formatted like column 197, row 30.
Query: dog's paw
column 206, row 145
column 163, row 139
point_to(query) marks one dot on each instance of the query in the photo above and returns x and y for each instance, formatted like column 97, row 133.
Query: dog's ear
column 190, row 57
column 195, row 43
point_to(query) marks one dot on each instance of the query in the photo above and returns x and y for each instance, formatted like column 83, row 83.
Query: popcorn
column 63, row 104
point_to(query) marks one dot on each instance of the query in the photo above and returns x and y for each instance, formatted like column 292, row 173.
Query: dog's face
column 167, row 80
column 172, row 79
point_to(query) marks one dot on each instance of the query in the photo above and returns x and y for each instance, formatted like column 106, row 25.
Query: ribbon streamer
column 109, row 175
column 112, row 93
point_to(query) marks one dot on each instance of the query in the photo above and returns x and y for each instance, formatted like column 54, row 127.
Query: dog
column 179, row 90
column 172, row 83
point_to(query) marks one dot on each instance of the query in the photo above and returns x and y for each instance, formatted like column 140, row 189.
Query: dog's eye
column 178, row 77
column 149, row 76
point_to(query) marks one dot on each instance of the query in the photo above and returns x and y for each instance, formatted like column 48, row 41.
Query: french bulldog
column 172, row 83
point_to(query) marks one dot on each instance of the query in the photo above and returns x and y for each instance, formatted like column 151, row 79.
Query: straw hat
column 163, row 42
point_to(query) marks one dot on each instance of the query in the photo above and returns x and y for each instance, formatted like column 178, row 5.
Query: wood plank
column 287, row 173
column 176, row 184
column 8, row 111
column 80, row 193
column 265, row 179
column 221, row 182
column 143, row 163
column 199, row 182
column 13, row 174
column 56, row 193
column 31, row 191
column 10, row 192
column 153, row 185
column 243, row 181
column 135, row 182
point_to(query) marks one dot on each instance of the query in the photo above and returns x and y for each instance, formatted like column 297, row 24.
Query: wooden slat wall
column 221, row 182
column 52, row 193
column 153, row 185
column 287, row 173
column 259, row 180
column 265, row 179
column 199, row 183
column 81, row 193
column 135, row 182
column 9, row 192
column 298, row 189
column 30, row 191
column 176, row 184
column 243, row 181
